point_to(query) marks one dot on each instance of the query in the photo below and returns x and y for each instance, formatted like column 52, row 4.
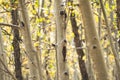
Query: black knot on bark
column 22, row 24
column 65, row 41
column 53, row 45
column 62, row 12
column 94, row 46
column 66, row 73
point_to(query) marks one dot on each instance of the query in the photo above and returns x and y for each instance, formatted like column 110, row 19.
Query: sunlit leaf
column 36, row 44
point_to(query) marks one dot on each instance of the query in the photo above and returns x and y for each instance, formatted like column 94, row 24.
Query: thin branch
column 30, row 59
column 7, row 69
column 10, row 25
column 77, row 48
column 110, row 38
column 4, row 70
column 4, row 12
column 5, row 32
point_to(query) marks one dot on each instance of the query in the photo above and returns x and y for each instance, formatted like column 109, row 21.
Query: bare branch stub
column 10, row 25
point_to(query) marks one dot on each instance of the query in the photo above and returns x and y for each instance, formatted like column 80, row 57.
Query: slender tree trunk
column 111, row 39
column 46, row 65
column 28, row 43
column 40, row 9
column 118, row 20
column 2, row 57
column 118, row 26
column 39, row 51
column 90, row 69
column 118, row 13
column 111, row 3
column 40, row 14
column 76, row 75
column 16, row 46
column 99, row 23
column 93, row 42
column 61, row 40
column 78, row 43
column 5, row 74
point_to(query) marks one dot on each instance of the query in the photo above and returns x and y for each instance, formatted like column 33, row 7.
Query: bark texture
column 118, row 13
column 32, row 54
column 78, row 43
column 2, row 73
column 111, row 39
column 61, row 40
column 92, row 40
column 118, row 20
column 16, row 46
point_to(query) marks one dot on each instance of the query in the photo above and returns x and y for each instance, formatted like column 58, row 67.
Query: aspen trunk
column 118, row 20
column 118, row 13
column 61, row 40
column 93, row 42
column 2, row 57
column 3, row 63
column 33, row 66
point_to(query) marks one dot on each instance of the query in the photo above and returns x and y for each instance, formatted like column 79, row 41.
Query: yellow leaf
column 34, row 11
column 25, row 61
column 11, row 37
column 36, row 44
column 69, row 3
column 111, row 57
column 72, row 34
column 1, row 19
column 38, row 33
column 38, row 20
column 84, row 58
column 0, row 1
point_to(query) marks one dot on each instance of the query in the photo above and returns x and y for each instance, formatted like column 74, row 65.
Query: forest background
column 59, row 39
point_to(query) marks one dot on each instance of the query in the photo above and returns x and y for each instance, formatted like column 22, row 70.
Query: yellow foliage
column 25, row 71
column 38, row 20
column 9, row 48
column 69, row 3
column 111, row 57
column 34, row 11
column 36, row 44
column 11, row 37
column 0, row 1
column 107, row 43
column 24, row 66
column 52, row 73
column 84, row 58
column 24, row 61
column 38, row 33
column 1, row 19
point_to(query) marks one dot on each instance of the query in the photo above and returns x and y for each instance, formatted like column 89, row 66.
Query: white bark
column 3, row 75
column 61, row 27
column 28, row 43
column 92, row 40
